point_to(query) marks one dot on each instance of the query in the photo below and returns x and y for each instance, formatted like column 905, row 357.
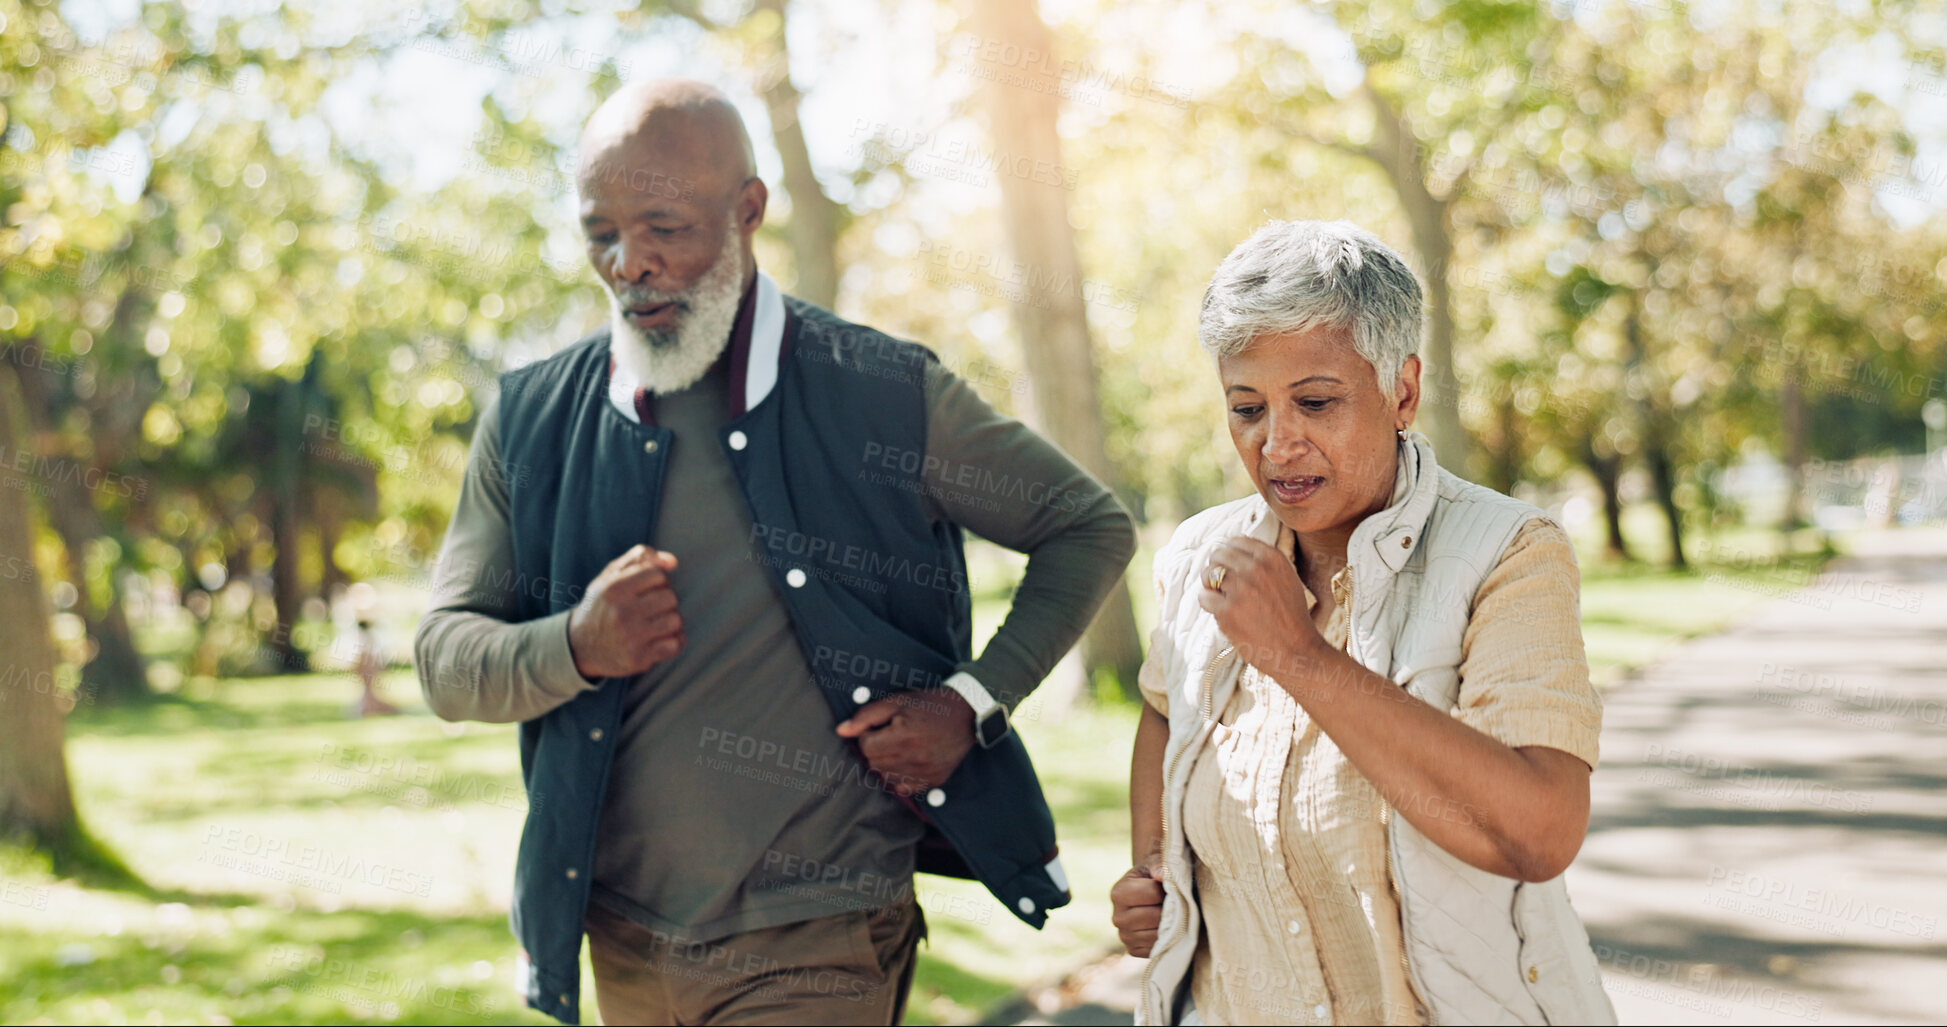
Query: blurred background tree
column 260, row 267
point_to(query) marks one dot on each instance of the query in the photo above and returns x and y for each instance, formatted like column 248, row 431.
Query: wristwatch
column 990, row 717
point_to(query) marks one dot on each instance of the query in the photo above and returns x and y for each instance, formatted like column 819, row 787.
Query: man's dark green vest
column 876, row 592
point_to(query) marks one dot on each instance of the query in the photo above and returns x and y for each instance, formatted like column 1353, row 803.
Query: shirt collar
column 755, row 349
column 1393, row 532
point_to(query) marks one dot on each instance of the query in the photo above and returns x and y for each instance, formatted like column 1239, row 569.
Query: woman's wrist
column 1306, row 668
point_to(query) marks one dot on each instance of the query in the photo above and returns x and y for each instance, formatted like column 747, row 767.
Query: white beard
column 673, row 360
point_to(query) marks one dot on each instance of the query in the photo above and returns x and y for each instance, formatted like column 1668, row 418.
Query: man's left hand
column 913, row 740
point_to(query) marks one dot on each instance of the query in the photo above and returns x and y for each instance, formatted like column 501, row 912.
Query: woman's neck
column 1321, row 554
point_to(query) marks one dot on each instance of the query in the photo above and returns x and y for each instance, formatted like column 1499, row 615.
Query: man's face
column 656, row 219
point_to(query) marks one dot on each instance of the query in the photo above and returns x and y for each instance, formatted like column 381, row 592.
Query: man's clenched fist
column 914, row 740
column 627, row 622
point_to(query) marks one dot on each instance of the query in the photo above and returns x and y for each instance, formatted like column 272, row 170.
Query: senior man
column 710, row 559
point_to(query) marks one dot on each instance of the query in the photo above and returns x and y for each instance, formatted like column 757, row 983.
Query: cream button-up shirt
column 1301, row 920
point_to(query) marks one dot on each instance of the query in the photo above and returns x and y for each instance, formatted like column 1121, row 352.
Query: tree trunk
column 1663, row 481
column 331, row 577
column 116, row 672
column 1504, row 469
column 1791, row 415
column 813, row 229
column 1049, row 309
column 36, row 802
column 1653, row 429
column 1608, row 476
column 286, row 530
column 1397, row 152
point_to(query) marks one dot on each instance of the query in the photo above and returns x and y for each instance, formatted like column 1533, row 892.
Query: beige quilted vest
column 1480, row 948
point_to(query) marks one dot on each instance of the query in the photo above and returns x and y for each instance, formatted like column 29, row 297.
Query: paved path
column 1768, row 843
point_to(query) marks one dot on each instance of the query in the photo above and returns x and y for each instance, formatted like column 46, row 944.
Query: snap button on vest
column 793, row 577
column 861, row 695
column 650, row 446
column 738, row 440
column 936, row 797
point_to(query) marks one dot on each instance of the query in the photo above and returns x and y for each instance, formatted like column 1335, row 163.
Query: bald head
column 677, row 120
column 667, row 184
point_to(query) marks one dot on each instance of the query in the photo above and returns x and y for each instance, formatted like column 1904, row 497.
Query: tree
column 36, row 803
column 1050, row 310
column 815, row 220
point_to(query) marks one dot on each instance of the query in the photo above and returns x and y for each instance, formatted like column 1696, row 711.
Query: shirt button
column 794, row 577
column 1295, row 927
column 651, row 446
column 1406, row 543
column 936, row 797
column 573, row 873
column 595, row 735
column 738, row 440
column 564, row 998
column 1026, row 905
column 861, row 695
column 1534, row 974
column 1319, row 1010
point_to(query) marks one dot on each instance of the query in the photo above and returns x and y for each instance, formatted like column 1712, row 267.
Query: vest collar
column 755, row 349
column 1391, row 534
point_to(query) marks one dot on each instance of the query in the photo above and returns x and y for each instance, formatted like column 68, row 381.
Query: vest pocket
column 1432, row 675
column 1556, row 963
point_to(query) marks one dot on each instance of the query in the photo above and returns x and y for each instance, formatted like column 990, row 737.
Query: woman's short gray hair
column 1291, row 276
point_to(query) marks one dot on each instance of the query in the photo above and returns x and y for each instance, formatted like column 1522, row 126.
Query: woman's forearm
column 1146, row 788
column 1520, row 813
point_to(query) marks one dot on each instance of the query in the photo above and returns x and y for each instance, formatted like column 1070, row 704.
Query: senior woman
column 1364, row 754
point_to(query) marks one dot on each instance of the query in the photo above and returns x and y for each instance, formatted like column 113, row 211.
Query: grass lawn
column 311, row 869
column 307, row 868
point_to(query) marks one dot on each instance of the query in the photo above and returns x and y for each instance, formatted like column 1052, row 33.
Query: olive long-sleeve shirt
column 732, row 805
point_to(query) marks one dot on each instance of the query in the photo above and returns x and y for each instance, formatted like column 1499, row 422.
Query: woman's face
column 1318, row 436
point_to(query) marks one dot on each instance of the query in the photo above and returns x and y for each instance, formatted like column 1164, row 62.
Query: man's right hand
column 1137, row 898
column 627, row 622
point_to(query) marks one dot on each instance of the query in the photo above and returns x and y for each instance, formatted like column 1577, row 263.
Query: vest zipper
column 1206, row 698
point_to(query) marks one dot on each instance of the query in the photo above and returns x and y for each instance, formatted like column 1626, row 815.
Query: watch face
column 991, row 728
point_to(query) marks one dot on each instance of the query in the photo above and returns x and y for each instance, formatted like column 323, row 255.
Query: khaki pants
column 853, row 968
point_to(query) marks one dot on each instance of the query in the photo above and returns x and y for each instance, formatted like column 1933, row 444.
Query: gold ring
column 1213, row 579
